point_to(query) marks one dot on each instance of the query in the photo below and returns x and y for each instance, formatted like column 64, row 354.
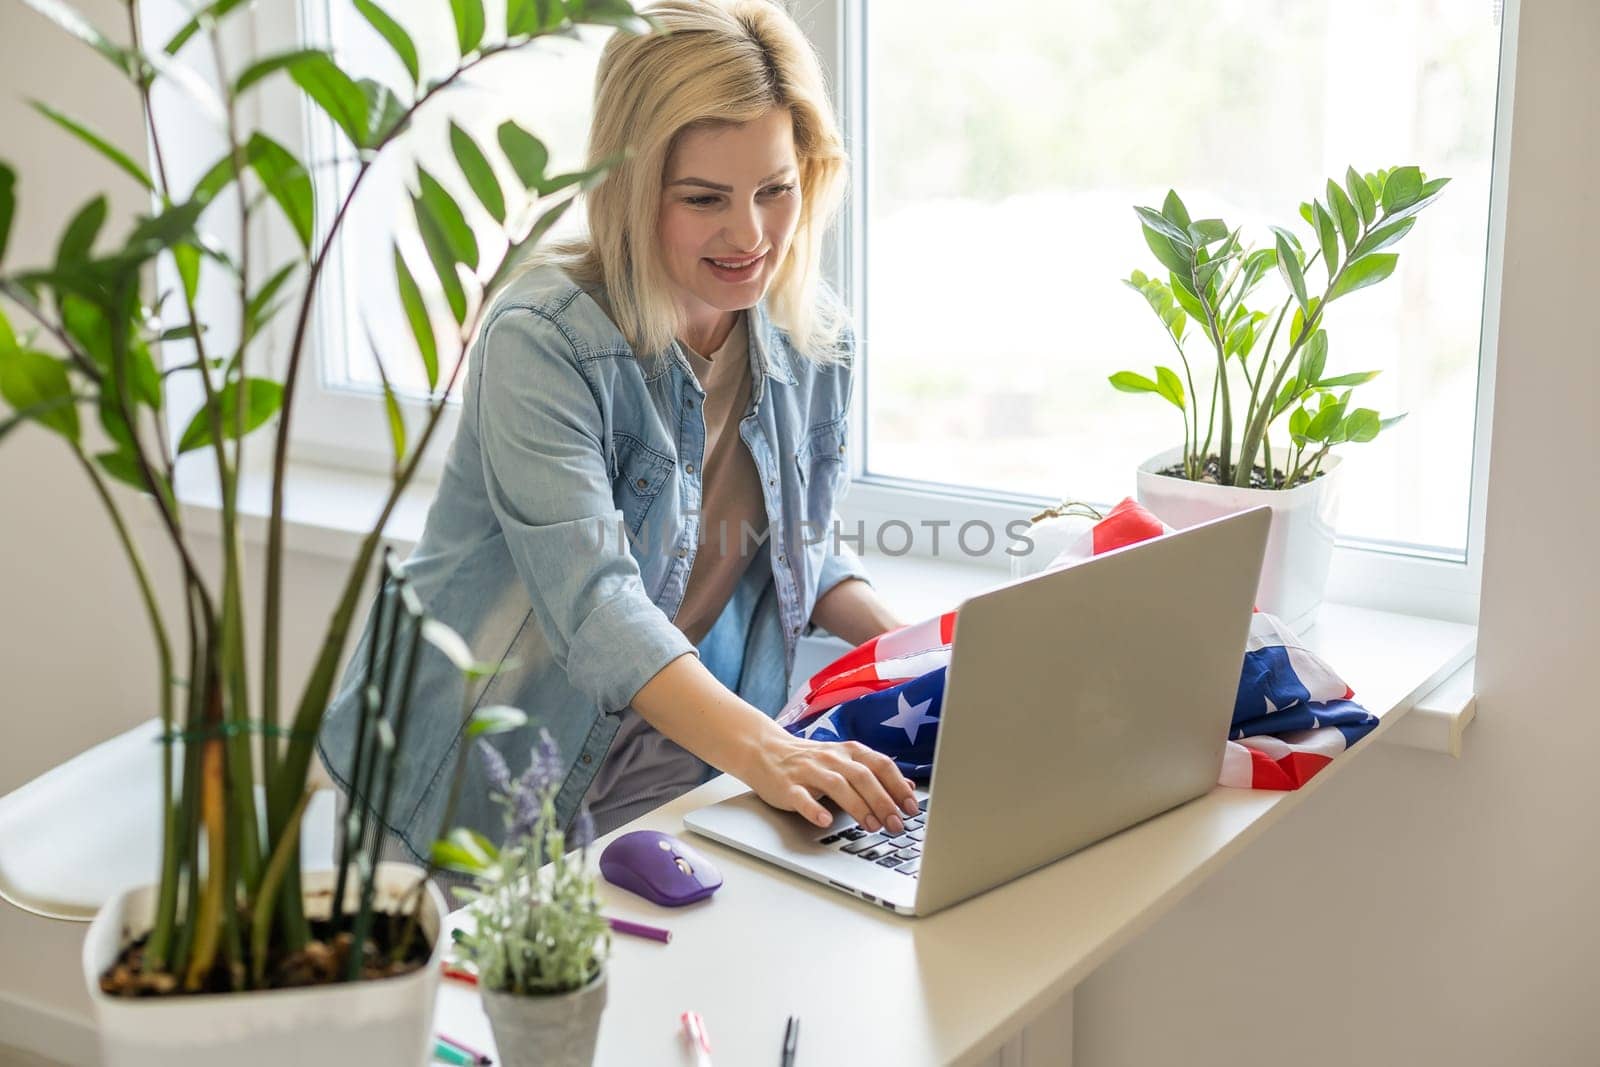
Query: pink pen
column 694, row 1029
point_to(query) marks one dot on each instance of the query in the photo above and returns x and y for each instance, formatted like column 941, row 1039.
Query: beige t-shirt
column 732, row 512
column 643, row 768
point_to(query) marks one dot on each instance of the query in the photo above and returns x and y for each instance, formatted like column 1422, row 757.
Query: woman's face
column 729, row 203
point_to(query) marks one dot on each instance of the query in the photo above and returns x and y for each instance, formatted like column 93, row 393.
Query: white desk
column 873, row 988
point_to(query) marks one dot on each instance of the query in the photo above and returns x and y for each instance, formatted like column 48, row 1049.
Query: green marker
column 443, row 1053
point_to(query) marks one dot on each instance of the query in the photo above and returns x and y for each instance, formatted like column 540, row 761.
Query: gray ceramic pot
column 552, row 1030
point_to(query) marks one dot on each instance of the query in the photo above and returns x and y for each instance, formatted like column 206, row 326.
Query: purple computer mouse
column 660, row 868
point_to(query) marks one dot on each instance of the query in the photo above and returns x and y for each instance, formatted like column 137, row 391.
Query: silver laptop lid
column 1082, row 701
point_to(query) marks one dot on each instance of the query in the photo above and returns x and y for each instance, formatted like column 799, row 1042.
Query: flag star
column 824, row 723
column 911, row 717
column 1271, row 707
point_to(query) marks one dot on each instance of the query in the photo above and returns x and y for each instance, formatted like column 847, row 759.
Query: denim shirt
column 562, row 535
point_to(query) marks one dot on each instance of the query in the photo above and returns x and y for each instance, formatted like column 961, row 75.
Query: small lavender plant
column 538, row 930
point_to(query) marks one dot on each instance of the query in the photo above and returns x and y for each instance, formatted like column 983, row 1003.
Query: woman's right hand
column 791, row 773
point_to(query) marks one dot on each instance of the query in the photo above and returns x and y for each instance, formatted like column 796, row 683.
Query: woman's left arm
column 852, row 610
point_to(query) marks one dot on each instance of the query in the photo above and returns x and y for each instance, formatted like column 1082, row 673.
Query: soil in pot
column 321, row 962
column 1258, row 475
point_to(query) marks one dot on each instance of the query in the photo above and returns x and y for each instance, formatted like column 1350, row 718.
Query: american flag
column 1291, row 716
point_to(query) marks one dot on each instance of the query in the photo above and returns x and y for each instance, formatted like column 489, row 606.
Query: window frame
column 1363, row 573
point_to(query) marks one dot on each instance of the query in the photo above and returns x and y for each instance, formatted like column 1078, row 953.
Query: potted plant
column 1257, row 385
column 534, row 933
column 231, row 913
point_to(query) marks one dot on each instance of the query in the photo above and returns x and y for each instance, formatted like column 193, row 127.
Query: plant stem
column 160, row 943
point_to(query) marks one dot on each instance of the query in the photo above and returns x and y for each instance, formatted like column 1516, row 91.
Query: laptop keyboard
column 901, row 852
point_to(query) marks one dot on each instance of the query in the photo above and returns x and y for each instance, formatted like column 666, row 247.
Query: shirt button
column 682, row 552
column 841, row 450
column 772, row 481
column 641, row 483
column 689, row 467
column 780, row 557
column 588, row 758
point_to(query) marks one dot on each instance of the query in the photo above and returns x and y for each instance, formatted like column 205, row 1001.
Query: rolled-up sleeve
column 542, row 441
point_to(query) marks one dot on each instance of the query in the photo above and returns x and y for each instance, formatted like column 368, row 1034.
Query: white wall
column 1423, row 910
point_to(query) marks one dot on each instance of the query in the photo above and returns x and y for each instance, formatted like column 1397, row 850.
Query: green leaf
column 1128, row 382
column 385, row 112
column 440, row 255
column 1154, row 220
column 533, row 16
column 1173, row 211
column 1344, row 213
column 263, row 398
column 286, row 180
column 497, row 719
column 35, row 381
column 272, row 64
column 256, row 311
column 1175, row 321
column 1187, row 300
column 455, row 649
column 1363, row 272
column 1358, row 378
column 95, row 141
column 1361, row 425
column 210, row 13
column 68, row 19
column 417, row 315
column 525, row 152
column 8, row 206
column 1382, row 236
column 469, row 23
column 186, row 258
column 452, row 223
column 1207, row 231
column 391, row 403
column 157, row 233
column 123, row 465
column 1305, row 213
column 1401, row 189
column 452, row 857
column 394, row 33
column 1385, row 424
column 335, row 92
column 1362, row 195
column 78, row 238
column 1289, row 267
column 1169, row 255
column 1299, row 420
column 478, row 173
column 474, row 843
column 1315, row 357
column 616, row 13
column 1327, row 235
column 1170, row 386
column 518, row 252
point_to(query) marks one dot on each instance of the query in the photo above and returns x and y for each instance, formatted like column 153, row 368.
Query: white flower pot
column 552, row 1030
column 387, row 1021
column 1299, row 542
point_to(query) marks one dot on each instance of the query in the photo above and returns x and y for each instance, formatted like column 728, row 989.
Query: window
column 546, row 89
column 1001, row 160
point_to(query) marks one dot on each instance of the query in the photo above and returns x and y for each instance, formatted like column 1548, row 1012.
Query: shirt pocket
column 821, row 462
column 638, row 473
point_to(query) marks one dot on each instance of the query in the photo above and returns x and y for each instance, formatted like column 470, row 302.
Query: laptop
column 1077, row 703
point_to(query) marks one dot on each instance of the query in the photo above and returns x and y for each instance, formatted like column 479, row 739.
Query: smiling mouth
column 735, row 264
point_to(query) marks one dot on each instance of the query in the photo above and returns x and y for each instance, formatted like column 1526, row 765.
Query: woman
column 637, row 511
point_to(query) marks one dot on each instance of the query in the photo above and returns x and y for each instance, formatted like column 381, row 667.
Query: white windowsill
column 1423, row 693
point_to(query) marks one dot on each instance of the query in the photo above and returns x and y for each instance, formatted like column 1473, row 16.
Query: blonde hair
column 714, row 63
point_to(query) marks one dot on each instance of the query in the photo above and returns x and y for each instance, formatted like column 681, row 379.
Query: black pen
column 791, row 1038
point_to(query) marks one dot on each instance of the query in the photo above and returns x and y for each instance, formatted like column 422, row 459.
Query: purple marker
column 652, row 933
